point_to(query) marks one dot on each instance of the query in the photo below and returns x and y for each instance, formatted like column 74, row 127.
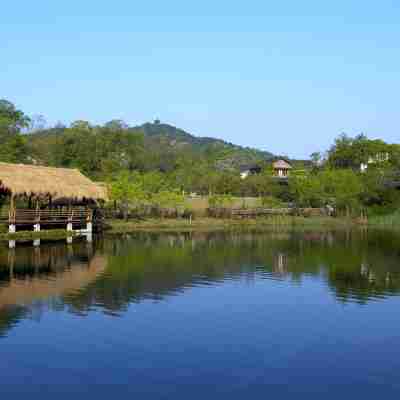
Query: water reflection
column 34, row 279
column 111, row 273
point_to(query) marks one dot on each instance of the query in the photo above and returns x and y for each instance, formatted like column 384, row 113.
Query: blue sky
column 284, row 76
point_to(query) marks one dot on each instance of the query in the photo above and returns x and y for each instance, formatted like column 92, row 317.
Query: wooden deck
column 49, row 218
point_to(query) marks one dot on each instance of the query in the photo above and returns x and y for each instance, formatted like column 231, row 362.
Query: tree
column 116, row 125
column 14, row 150
column 12, row 145
column 11, row 119
column 344, row 187
column 127, row 192
column 316, row 158
column 341, row 188
column 168, row 199
column 220, row 201
column 307, row 190
column 80, row 125
column 348, row 152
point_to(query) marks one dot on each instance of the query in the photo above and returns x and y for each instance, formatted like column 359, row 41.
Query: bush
column 220, row 201
column 271, row 202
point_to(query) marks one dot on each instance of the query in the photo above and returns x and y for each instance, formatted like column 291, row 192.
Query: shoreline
column 54, row 234
column 203, row 225
column 216, row 224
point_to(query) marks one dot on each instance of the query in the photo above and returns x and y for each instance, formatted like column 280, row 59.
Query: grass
column 391, row 220
column 199, row 205
column 213, row 224
column 198, row 224
column 30, row 235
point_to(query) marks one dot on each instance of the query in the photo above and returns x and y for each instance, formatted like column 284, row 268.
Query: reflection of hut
column 45, row 190
column 281, row 168
column 280, row 265
column 22, row 292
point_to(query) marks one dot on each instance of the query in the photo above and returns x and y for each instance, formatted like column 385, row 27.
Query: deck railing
column 48, row 217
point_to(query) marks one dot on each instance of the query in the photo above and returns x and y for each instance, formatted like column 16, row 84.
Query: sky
column 283, row 76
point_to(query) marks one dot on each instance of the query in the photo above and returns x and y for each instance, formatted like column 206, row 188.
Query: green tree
column 12, row 120
column 342, row 188
column 348, row 152
column 128, row 192
column 12, row 145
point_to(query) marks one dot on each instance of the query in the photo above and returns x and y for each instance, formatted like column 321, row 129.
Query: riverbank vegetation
column 158, row 171
column 214, row 224
column 54, row 234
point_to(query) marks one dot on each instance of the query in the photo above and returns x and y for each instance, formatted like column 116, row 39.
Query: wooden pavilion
column 53, row 197
column 281, row 168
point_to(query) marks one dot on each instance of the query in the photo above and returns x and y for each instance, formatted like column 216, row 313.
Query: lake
column 285, row 314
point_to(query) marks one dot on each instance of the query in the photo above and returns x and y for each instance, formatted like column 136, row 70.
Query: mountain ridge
column 155, row 133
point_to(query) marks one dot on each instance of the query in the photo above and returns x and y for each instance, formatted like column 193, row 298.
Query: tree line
column 161, row 175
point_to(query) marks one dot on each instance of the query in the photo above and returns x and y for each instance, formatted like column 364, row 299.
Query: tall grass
column 391, row 220
column 275, row 221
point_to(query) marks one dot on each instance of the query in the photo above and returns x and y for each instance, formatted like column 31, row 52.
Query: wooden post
column 11, row 259
column 12, row 216
column 36, row 226
column 69, row 224
column 89, row 221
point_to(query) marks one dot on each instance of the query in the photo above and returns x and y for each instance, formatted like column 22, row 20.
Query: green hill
column 159, row 136
column 151, row 146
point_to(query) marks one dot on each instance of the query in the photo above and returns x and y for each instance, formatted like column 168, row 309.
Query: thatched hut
column 47, row 182
column 281, row 168
column 47, row 186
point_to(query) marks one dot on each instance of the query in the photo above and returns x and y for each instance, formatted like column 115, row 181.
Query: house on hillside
column 281, row 168
column 250, row 169
column 48, row 197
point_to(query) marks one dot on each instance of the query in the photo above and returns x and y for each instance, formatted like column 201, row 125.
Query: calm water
column 187, row 316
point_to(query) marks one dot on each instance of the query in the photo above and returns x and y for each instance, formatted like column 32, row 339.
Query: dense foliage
column 13, row 146
column 155, row 165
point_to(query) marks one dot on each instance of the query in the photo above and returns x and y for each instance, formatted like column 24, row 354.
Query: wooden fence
column 260, row 212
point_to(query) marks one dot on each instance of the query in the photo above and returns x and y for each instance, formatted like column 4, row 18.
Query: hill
column 227, row 155
column 151, row 146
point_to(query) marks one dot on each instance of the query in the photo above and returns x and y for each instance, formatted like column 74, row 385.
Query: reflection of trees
column 147, row 266
column 357, row 266
column 151, row 266
column 9, row 316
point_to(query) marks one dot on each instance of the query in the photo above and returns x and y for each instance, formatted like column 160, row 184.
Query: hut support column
column 70, row 228
column 89, row 223
column 36, row 226
column 11, row 217
column 69, row 222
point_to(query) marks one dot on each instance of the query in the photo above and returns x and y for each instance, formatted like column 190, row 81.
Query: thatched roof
column 281, row 164
column 31, row 180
